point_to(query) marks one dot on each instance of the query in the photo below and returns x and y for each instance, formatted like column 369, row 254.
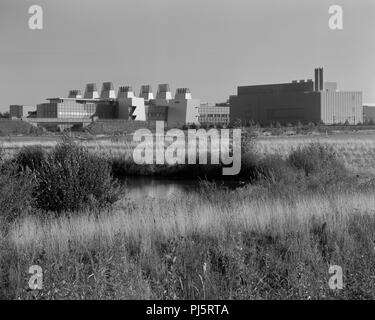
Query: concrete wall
column 16, row 111
column 132, row 108
column 271, row 107
column 369, row 113
column 46, row 110
column 341, row 106
column 156, row 113
column 183, row 111
column 276, row 89
column 20, row 111
column 107, row 109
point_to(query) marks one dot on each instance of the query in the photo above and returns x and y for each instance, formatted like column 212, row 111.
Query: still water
column 141, row 187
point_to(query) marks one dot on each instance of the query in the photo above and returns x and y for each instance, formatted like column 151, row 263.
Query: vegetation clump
column 71, row 179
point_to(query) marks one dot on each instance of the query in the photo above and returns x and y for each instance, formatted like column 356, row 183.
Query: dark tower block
column 321, row 80
column 316, row 83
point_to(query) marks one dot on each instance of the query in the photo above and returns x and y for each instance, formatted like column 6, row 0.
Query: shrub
column 316, row 158
column 30, row 157
column 274, row 169
column 15, row 195
column 71, row 179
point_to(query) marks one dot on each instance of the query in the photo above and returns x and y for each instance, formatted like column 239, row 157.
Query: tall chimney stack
column 321, row 79
column 316, row 83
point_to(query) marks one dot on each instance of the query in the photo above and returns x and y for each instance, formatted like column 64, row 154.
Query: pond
column 141, row 187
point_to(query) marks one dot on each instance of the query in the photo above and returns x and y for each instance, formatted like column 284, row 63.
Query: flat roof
column 82, row 99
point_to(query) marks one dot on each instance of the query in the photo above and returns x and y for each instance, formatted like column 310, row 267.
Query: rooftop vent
column 91, row 91
column 183, row 93
column 75, row 94
column 107, row 91
column 146, row 92
column 164, row 92
column 126, row 89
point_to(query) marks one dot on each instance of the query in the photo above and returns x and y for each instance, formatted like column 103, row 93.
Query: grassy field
column 356, row 149
column 14, row 127
column 273, row 238
column 249, row 248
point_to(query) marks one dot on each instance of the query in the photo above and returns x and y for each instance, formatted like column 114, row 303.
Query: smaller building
column 369, row 113
column 183, row 109
column 66, row 108
column 130, row 106
column 21, row 111
column 214, row 114
column 156, row 113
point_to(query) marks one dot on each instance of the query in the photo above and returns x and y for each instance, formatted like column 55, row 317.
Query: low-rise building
column 369, row 113
column 21, row 111
column 183, row 109
column 214, row 114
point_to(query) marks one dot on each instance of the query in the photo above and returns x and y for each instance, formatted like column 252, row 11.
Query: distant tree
column 346, row 123
column 371, row 122
column 4, row 115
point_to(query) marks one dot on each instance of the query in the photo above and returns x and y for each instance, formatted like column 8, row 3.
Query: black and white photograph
column 187, row 155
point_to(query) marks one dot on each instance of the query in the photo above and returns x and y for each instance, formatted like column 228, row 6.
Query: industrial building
column 369, row 113
column 299, row 101
column 183, row 109
column 217, row 114
column 75, row 109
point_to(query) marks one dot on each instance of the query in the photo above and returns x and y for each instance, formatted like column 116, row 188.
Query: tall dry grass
column 241, row 245
column 356, row 150
column 271, row 240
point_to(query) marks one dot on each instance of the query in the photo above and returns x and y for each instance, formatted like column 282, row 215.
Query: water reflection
column 141, row 187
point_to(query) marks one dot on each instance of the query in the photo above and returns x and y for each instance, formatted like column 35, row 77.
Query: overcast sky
column 210, row 46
